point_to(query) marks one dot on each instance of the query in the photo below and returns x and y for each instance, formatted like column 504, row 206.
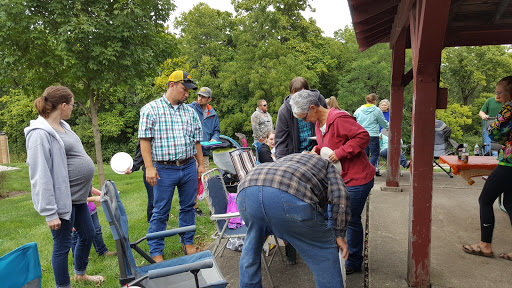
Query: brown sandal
column 97, row 279
column 505, row 256
column 478, row 251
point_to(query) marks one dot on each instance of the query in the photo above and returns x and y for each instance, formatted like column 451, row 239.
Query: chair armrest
column 171, row 232
column 225, row 216
column 163, row 272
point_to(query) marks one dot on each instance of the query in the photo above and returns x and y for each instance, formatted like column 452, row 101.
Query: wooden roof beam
column 401, row 20
column 384, row 16
column 499, row 11
column 365, row 12
column 477, row 38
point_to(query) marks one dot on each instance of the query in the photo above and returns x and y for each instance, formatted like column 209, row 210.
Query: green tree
column 16, row 113
column 455, row 116
column 469, row 71
column 90, row 47
column 205, row 38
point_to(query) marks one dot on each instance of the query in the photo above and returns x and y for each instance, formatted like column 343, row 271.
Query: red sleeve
column 358, row 137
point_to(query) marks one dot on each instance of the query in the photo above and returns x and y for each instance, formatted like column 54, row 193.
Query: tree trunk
column 97, row 138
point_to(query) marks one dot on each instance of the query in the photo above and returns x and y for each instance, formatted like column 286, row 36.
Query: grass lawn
column 21, row 224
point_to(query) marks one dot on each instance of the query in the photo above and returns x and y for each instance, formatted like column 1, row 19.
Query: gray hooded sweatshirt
column 48, row 170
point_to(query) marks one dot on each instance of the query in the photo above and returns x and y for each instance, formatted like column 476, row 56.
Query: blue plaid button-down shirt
column 175, row 131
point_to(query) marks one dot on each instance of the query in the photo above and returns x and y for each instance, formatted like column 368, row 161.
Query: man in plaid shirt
column 170, row 134
column 289, row 198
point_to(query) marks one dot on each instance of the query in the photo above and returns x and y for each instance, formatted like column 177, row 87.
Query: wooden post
column 4, row 149
column 428, row 28
column 396, row 111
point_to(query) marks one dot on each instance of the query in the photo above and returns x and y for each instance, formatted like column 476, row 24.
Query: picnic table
column 476, row 166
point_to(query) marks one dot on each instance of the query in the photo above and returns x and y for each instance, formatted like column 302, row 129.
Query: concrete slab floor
column 455, row 221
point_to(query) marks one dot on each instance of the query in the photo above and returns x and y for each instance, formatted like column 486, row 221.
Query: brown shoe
column 158, row 258
column 189, row 249
column 110, row 253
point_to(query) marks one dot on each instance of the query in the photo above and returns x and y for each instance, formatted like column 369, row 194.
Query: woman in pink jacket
column 339, row 131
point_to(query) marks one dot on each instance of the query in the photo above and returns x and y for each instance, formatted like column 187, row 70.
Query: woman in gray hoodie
column 61, row 178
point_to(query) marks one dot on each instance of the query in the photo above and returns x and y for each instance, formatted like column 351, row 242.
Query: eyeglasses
column 264, row 105
column 305, row 117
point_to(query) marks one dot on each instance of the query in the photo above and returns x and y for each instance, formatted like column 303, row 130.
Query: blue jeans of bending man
column 97, row 241
column 373, row 150
column 403, row 160
column 268, row 210
column 171, row 177
column 81, row 220
column 355, row 231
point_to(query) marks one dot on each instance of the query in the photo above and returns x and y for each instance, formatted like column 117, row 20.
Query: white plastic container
column 342, row 264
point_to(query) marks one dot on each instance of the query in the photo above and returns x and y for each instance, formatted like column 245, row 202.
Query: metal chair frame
column 214, row 188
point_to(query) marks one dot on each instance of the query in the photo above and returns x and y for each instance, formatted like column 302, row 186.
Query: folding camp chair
column 385, row 133
column 21, row 267
column 170, row 273
column 217, row 197
column 243, row 161
column 443, row 144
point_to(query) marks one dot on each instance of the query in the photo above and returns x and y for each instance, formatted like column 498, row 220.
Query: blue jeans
column 372, row 151
column 97, row 241
column 403, row 160
column 149, row 191
column 487, row 140
column 171, row 176
column 81, row 220
column 268, row 210
column 355, row 231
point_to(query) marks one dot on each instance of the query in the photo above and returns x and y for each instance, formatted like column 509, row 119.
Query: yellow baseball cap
column 184, row 78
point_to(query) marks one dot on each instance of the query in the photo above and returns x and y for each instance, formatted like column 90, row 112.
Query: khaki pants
column 206, row 161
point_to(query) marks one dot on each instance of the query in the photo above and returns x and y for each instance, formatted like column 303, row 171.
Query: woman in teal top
column 498, row 182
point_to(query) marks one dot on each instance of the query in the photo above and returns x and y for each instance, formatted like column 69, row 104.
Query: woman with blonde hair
column 265, row 153
column 332, row 103
column 61, row 175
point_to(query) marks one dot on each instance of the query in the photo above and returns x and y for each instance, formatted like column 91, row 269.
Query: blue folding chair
column 170, row 273
column 217, row 197
column 21, row 267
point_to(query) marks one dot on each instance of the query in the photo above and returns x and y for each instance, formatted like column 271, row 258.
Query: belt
column 175, row 162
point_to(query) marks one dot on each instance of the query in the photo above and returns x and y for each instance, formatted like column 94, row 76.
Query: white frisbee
column 325, row 152
column 120, row 162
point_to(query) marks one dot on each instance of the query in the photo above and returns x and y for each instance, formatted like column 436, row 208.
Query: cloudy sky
column 330, row 15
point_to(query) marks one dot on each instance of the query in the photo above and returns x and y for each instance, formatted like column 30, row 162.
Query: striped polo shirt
column 175, row 130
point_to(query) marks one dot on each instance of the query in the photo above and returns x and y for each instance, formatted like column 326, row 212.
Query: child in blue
column 98, row 243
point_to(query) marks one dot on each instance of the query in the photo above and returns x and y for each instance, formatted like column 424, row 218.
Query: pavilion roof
column 470, row 22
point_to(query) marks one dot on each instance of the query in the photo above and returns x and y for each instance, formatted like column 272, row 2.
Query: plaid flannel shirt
column 175, row 131
column 309, row 178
